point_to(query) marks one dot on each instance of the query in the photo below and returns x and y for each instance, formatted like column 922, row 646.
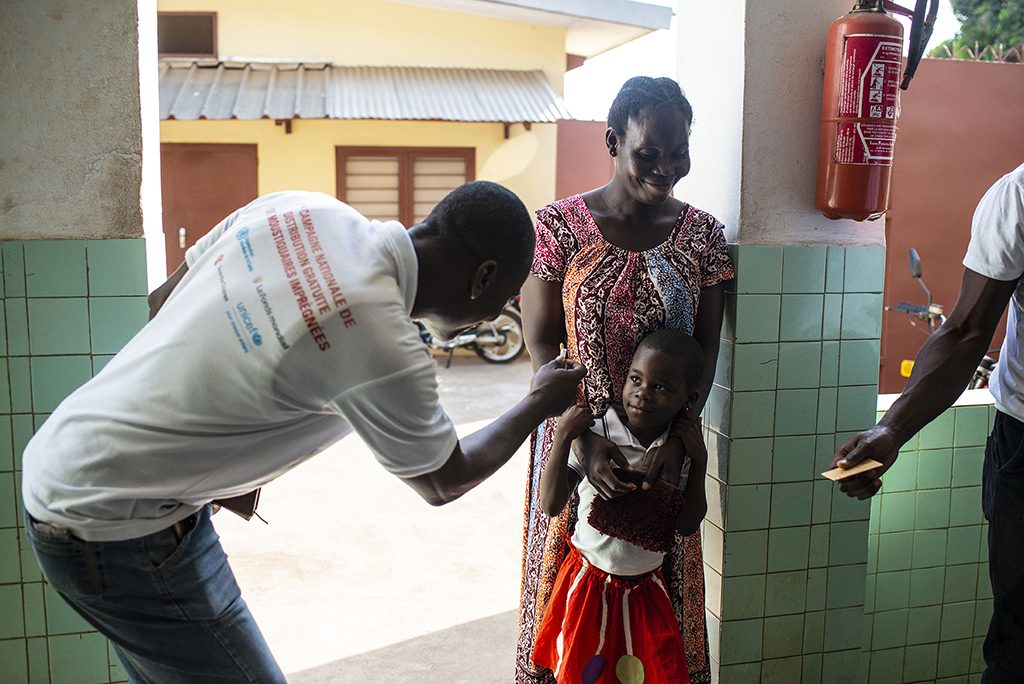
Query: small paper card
column 837, row 474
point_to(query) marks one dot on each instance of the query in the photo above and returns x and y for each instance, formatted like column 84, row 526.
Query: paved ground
column 355, row 579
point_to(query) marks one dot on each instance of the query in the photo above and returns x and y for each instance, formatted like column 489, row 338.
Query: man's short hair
column 682, row 347
column 482, row 220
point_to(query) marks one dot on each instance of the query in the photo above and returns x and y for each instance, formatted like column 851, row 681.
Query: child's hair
column 641, row 93
column 681, row 347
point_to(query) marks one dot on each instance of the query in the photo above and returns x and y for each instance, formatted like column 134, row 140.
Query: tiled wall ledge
column 66, row 306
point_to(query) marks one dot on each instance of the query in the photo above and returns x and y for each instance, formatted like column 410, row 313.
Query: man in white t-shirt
column 992, row 278
column 288, row 326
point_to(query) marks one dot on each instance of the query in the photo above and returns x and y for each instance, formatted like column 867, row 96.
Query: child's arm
column 696, row 500
column 559, row 479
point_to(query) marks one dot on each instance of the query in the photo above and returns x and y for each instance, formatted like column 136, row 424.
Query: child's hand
column 574, row 422
column 689, row 431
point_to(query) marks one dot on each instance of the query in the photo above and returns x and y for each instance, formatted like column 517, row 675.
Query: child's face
column 655, row 389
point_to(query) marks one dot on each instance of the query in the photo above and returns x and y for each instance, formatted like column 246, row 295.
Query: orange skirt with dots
column 601, row 630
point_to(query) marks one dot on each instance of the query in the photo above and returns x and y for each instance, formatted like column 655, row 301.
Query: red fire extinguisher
column 860, row 104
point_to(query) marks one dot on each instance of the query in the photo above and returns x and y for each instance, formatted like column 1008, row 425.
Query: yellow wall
column 379, row 33
column 305, row 158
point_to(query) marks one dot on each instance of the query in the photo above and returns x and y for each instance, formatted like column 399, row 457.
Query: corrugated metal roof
column 253, row 90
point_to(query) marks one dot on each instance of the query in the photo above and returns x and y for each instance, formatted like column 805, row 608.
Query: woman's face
column 653, row 155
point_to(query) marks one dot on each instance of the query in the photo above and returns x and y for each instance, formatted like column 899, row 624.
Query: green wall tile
column 800, row 317
column 11, row 605
column 817, row 586
column 799, row 364
column 886, row 666
column 723, row 367
column 59, row 325
column 855, row 407
column 846, row 508
column 892, row 590
column 718, row 410
column 788, row 548
column 954, row 658
column 920, row 662
column 55, row 268
column 55, row 377
column 757, row 318
column 781, row 670
column 971, row 426
column 957, row 621
column 830, row 364
column 753, row 414
column 821, row 507
column 743, row 597
column 929, row 548
column 746, row 553
column 100, row 362
column 13, row 661
column 8, row 496
column 29, row 568
column 814, row 631
column 965, row 506
column 862, row 316
column 712, row 591
column 846, row 584
column 932, row 509
column 926, row 586
column 13, row 253
column 3, row 327
column 938, row 434
column 115, row 320
column 791, row 504
column 759, row 269
column 10, row 557
column 934, row 468
column 78, row 658
column 741, row 641
column 755, row 366
column 982, row 614
column 811, row 672
column 865, row 269
column 834, row 269
column 35, row 608
column 818, row 549
column 977, row 660
column 923, row 624
column 748, row 507
column 984, row 587
column 116, row 267
column 793, row 459
column 967, row 466
column 783, row 636
column 828, row 404
column 16, row 314
column 964, row 544
column 803, row 269
column 894, row 552
column 961, row 583
column 832, row 317
column 38, row 661
column 858, row 362
column 785, row 592
column 5, row 396
column 796, row 411
column 60, row 617
column 750, row 461
column 902, row 476
column 714, row 546
column 20, row 375
column 897, row 512
column 743, row 673
column 843, row 628
column 890, row 629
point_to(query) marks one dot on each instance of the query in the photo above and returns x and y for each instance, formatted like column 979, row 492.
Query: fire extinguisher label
column 869, row 89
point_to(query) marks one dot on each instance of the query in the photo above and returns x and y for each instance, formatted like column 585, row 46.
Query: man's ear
column 483, row 278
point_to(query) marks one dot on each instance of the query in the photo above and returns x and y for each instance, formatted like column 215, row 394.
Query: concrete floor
column 356, row 579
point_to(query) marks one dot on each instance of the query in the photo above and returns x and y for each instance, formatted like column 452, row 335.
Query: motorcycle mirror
column 915, row 263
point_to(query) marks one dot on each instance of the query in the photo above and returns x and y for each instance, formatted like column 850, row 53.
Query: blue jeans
column 1003, row 505
column 168, row 602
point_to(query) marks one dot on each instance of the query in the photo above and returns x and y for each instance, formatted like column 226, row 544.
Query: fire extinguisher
column 860, row 104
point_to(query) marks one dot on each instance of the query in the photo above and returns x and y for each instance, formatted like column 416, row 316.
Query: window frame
column 407, row 157
column 198, row 55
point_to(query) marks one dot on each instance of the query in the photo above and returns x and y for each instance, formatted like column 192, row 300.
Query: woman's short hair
column 641, row 93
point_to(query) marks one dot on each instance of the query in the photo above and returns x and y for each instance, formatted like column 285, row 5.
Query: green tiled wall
column 928, row 599
column 786, row 554
column 65, row 308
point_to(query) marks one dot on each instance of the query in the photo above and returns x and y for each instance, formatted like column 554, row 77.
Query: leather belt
column 183, row 527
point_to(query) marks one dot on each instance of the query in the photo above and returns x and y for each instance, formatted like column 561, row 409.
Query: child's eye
column 634, row 379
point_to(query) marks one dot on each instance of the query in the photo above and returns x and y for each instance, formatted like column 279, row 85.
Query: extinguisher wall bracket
column 922, row 21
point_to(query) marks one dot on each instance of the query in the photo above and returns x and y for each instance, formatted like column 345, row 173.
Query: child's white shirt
column 611, row 554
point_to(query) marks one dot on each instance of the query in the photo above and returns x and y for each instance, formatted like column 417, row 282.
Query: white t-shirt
column 611, row 554
column 290, row 330
column 997, row 251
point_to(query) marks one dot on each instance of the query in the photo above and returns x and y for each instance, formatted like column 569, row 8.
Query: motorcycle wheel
column 514, row 343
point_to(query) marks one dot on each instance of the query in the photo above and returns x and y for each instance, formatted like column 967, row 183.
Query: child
column 609, row 611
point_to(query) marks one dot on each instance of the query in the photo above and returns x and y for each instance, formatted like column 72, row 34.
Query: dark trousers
column 1003, row 504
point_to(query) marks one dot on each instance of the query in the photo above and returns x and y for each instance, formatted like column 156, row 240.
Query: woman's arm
column 543, row 319
column 696, row 498
column 559, row 479
column 707, row 330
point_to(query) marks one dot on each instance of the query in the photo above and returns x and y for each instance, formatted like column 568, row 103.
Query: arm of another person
column 158, row 296
column 941, row 372
column 544, row 329
column 696, row 506
column 559, row 479
column 479, row 455
column 707, row 330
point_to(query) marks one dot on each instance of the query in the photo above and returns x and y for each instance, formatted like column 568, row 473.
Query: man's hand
column 878, row 443
column 555, row 385
column 574, row 422
column 597, row 455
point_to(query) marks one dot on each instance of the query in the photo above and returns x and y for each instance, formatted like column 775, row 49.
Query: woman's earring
column 611, row 150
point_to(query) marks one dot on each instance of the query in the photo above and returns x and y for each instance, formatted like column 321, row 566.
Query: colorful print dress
column 613, row 298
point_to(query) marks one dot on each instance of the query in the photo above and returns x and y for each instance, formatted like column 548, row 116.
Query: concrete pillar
column 786, row 554
column 74, row 276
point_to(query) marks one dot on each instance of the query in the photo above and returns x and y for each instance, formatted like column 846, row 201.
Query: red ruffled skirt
column 601, row 630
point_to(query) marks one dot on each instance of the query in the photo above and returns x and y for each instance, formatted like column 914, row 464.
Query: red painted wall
column 961, row 128
column 583, row 162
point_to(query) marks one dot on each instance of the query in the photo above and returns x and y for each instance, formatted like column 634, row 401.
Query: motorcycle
column 932, row 316
column 497, row 341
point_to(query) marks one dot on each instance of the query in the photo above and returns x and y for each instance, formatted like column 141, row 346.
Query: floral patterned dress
column 613, row 298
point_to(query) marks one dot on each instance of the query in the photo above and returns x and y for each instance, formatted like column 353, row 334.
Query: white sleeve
column 996, row 249
column 204, row 243
column 400, row 419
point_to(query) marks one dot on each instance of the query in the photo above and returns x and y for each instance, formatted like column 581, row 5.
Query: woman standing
column 612, row 265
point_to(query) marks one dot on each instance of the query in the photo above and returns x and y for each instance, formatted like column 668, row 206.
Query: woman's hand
column 693, row 441
column 597, row 455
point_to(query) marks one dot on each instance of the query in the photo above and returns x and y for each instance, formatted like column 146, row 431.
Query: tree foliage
column 990, row 22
